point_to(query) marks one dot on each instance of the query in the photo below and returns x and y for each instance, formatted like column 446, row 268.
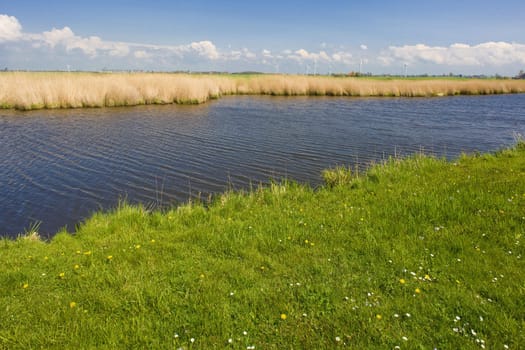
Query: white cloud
column 363, row 47
column 484, row 54
column 141, row 54
column 205, row 49
column 10, row 28
column 303, row 55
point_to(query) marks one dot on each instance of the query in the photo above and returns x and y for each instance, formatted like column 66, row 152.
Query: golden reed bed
column 30, row 90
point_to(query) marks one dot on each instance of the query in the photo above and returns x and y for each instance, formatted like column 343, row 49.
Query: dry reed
column 31, row 90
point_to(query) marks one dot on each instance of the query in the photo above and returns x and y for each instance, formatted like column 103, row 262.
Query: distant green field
column 418, row 253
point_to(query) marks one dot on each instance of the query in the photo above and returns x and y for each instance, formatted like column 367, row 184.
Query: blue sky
column 469, row 37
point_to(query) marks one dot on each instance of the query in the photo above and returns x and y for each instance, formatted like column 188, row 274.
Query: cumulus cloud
column 10, row 28
column 141, row 54
column 205, row 49
column 363, row 47
column 303, row 55
column 484, row 54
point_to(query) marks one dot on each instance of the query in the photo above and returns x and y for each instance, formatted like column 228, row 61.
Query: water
column 58, row 167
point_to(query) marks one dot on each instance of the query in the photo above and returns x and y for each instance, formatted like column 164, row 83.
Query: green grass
column 418, row 253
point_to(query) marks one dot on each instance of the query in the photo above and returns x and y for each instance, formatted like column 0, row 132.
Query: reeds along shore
column 31, row 90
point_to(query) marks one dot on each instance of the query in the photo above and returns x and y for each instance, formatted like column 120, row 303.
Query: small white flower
column 245, row 333
column 192, row 340
column 473, row 332
column 505, row 346
column 408, row 315
column 337, row 339
column 396, row 315
column 304, row 315
column 230, row 341
column 404, row 338
column 175, row 335
column 455, row 329
column 481, row 318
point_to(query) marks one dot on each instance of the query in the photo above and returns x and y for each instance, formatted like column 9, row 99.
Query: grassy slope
column 417, row 253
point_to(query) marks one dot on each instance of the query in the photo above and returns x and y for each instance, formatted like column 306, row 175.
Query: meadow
column 34, row 90
column 416, row 253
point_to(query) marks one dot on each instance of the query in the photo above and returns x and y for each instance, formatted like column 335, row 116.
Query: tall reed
column 32, row 90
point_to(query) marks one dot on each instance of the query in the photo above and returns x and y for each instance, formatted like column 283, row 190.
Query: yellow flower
column 152, row 241
column 110, row 257
column 379, row 317
column 76, row 267
column 62, row 275
column 137, row 246
column 417, row 291
column 283, row 316
column 87, row 253
column 427, row 277
column 402, row 281
column 72, row 304
column 25, row 286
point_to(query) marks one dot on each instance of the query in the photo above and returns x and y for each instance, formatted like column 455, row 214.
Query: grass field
column 418, row 253
column 32, row 90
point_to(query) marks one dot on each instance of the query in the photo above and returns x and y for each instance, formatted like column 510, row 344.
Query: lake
column 57, row 167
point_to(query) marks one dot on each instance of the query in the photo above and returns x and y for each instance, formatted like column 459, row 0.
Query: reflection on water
column 59, row 166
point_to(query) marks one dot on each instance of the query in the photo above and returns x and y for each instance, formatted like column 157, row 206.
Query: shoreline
column 419, row 250
column 60, row 90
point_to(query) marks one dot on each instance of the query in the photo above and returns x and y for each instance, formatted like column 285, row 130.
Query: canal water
column 57, row 167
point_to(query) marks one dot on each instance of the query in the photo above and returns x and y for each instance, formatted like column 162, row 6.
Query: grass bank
column 417, row 253
column 32, row 90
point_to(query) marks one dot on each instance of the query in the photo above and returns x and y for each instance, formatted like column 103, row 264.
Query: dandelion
column 25, row 285
column 46, row 258
column 402, row 281
column 137, row 246
column 283, row 317
column 88, row 253
column 109, row 257
column 202, row 275
column 152, row 241
column 417, row 291
column 76, row 267
column 61, row 275
column 379, row 317
column 427, row 277
column 72, row 305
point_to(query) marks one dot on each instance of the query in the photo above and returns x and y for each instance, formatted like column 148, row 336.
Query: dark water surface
column 59, row 166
